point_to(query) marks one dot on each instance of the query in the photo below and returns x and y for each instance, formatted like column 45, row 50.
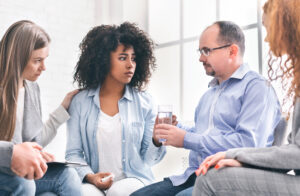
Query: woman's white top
column 20, row 114
column 109, row 139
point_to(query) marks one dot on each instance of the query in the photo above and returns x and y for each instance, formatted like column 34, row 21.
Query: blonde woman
column 23, row 169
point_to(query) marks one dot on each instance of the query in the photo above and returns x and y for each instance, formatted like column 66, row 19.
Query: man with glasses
column 240, row 109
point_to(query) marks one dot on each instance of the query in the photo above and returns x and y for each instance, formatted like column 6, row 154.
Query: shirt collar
column 241, row 71
column 128, row 93
column 238, row 74
column 95, row 93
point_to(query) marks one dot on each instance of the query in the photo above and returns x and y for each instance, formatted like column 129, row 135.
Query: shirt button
column 123, row 141
column 123, row 160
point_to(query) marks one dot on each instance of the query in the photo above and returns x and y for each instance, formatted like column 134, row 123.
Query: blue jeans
column 59, row 180
column 165, row 188
column 186, row 192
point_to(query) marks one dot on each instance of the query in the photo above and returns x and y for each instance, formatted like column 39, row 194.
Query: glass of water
column 164, row 116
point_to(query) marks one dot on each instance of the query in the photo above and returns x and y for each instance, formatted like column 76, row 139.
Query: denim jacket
column 137, row 116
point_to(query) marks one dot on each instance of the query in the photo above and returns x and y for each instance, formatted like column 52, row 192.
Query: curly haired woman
column 112, row 119
column 263, row 171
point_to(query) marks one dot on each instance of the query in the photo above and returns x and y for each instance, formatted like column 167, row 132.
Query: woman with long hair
column 112, row 118
column 263, row 171
column 23, row 165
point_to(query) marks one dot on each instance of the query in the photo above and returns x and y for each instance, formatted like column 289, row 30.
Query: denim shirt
column 242, row 111
column 137, row 117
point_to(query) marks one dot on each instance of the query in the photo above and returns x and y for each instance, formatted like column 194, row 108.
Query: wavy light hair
column 16, row 47
column 283, row 35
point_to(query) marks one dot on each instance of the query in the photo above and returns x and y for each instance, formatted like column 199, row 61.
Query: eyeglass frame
column 209, row 50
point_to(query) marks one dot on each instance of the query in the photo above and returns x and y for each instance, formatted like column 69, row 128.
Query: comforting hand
column 173, row 135
column 27, row 161
column 95, row 179
column 218, row 160
column 67, row 100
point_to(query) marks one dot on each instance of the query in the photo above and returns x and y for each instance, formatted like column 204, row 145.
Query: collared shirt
column 242, row 111
column 137, row 115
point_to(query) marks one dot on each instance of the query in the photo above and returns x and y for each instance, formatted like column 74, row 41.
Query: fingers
column 47, row 156
column 174, row 117
column 162, row 138
column 174, row 120
column 202, row 169
column 51, row 156
column 74, row 92
column 210, row 161
column 220, row 164
column 110, row 182
column 162, row 135
column 160, row 131
column 27, row 160
column 199, row 171
column 103, row 185
column 35, row 145
column 30, row 174
column 228, row 163
column 156, row 120
column 67, row 100
column 38, row 173
column 164, row 126
column 44, row 166
column 105, row 174
column 39, row 166
column 215, row 159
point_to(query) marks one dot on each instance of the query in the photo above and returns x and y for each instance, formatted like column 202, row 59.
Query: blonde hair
column 16, row 47
column 284, row 38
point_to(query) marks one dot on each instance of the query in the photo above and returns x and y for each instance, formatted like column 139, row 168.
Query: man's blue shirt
column 242, row 111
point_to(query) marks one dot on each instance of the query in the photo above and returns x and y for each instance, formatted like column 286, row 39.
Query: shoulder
column 257, row 85
column 82, row 96
column 253, row 78
column 144, row 100
column 143, row 96
column 81, row 102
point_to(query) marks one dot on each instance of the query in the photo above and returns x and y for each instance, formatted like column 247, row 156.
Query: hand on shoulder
column 68, row 98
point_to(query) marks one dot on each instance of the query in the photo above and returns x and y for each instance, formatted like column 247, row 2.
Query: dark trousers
column 164, row 188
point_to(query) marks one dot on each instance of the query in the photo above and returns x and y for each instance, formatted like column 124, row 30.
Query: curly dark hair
column 284, row 39
column 94, row 62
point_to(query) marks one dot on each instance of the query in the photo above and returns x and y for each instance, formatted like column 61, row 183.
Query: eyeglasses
column 206, row 51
